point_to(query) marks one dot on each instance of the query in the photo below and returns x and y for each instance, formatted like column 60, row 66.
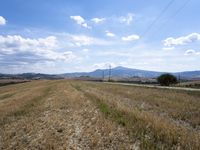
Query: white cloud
column 110, row 34
column 104, row 65
column 83, row 40
column 191, row 52
column 193, row 37
column 98, row 20
column 132, row 37
column 13, row 43
column 127, row 19
column 80, row 20
column 32, row 50
column 168, row 48
column 2, row 20
column 85, row 50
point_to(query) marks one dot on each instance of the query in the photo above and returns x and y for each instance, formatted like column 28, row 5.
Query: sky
column 60, row 36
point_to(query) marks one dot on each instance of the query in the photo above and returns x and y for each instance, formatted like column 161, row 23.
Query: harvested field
column 64, row 114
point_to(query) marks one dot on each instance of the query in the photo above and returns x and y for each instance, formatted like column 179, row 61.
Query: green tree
column 166, row 79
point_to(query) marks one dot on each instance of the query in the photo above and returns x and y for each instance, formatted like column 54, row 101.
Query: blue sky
column 58, row 36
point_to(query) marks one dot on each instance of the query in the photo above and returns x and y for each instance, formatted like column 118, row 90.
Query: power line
column 181, row 8
column 158, row 17
column 174, row 14
column 178, row 10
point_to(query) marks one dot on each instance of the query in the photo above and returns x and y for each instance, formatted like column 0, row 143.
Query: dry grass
column 64, row 114
column 191, row 84
column 54, row 115
column 160, row 119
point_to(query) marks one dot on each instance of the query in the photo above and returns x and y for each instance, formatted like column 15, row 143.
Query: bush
column 166, row 79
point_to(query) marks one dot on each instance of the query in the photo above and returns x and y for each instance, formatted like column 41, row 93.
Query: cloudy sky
column 58, row 36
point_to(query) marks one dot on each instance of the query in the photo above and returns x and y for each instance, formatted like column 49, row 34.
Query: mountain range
column 129, row 72
column 120, row 71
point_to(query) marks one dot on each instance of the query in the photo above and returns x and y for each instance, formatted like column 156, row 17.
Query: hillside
column 128, row 72
column 30, row 76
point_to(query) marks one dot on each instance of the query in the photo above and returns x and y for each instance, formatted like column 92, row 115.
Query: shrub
column 166, row 79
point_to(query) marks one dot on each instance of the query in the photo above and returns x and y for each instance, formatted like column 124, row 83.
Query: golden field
column 66, row 114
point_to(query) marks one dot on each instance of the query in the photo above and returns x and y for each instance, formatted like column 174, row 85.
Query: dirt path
column 60, row 118
column 154, row 86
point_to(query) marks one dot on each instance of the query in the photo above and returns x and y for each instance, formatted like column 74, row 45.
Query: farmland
column 67, row 114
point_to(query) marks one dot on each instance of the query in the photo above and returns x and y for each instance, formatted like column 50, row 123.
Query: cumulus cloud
column 80, row 21
column 83, row 40
column 127, row 19
column 191, row 52
column 2, row 20
column 132, row 37
column 16, row 49
column 193, row 37
column 98, row 20
column 14, row 43
column 110, row 34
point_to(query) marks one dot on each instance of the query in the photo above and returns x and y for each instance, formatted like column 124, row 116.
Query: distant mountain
column 29, row 76
column 116, row 72
column 188, row 74
column 129, row 72
column 121, row 72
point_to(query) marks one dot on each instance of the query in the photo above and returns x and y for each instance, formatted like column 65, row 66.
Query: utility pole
column 109, row 73
column 103, row 75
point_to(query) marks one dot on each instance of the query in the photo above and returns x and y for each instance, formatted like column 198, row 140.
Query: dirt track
column 155, row 86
